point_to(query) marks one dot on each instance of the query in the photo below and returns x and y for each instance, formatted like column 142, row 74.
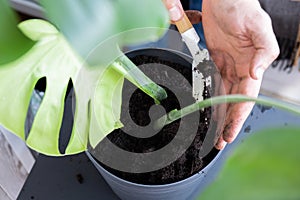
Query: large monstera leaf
column 86, row 24
column 97, row 89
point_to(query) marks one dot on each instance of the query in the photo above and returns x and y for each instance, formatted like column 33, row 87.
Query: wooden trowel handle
column 184, row 24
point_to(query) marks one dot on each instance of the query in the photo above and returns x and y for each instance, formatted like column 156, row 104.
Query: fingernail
column 175, row 13
column 220, row 145
column 259, row 72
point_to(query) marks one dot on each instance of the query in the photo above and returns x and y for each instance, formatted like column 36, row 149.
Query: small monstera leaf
column 264, row 167
column 13, row 43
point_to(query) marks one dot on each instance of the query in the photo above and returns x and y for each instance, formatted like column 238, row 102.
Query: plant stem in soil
column 132, row 73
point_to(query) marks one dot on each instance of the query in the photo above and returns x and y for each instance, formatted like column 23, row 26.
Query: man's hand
column 240, row 39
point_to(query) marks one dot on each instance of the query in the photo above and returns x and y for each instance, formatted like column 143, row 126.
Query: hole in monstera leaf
column 68, row 118
column 35, row 102
column 67, row 122
column 40, row 86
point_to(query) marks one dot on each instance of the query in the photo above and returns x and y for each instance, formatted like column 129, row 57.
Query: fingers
column 220, row 87
column 176, row 12
column 223, row 86
column 220, row 120
column 235, row 119
column 194, row 16
column 264, row 42
column 237, row 113
column 175, row 9
column 221, row 143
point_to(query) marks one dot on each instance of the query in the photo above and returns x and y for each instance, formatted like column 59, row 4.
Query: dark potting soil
column 189, row 162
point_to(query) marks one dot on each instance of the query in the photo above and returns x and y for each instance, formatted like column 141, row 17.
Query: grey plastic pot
column 183, row 190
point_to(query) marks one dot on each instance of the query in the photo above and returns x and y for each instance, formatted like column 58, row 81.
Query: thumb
column 195, row 16
column 266, row 47
column 175, row 9
column 259, row 64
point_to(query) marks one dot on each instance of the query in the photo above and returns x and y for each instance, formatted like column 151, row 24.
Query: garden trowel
column 200, row 56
